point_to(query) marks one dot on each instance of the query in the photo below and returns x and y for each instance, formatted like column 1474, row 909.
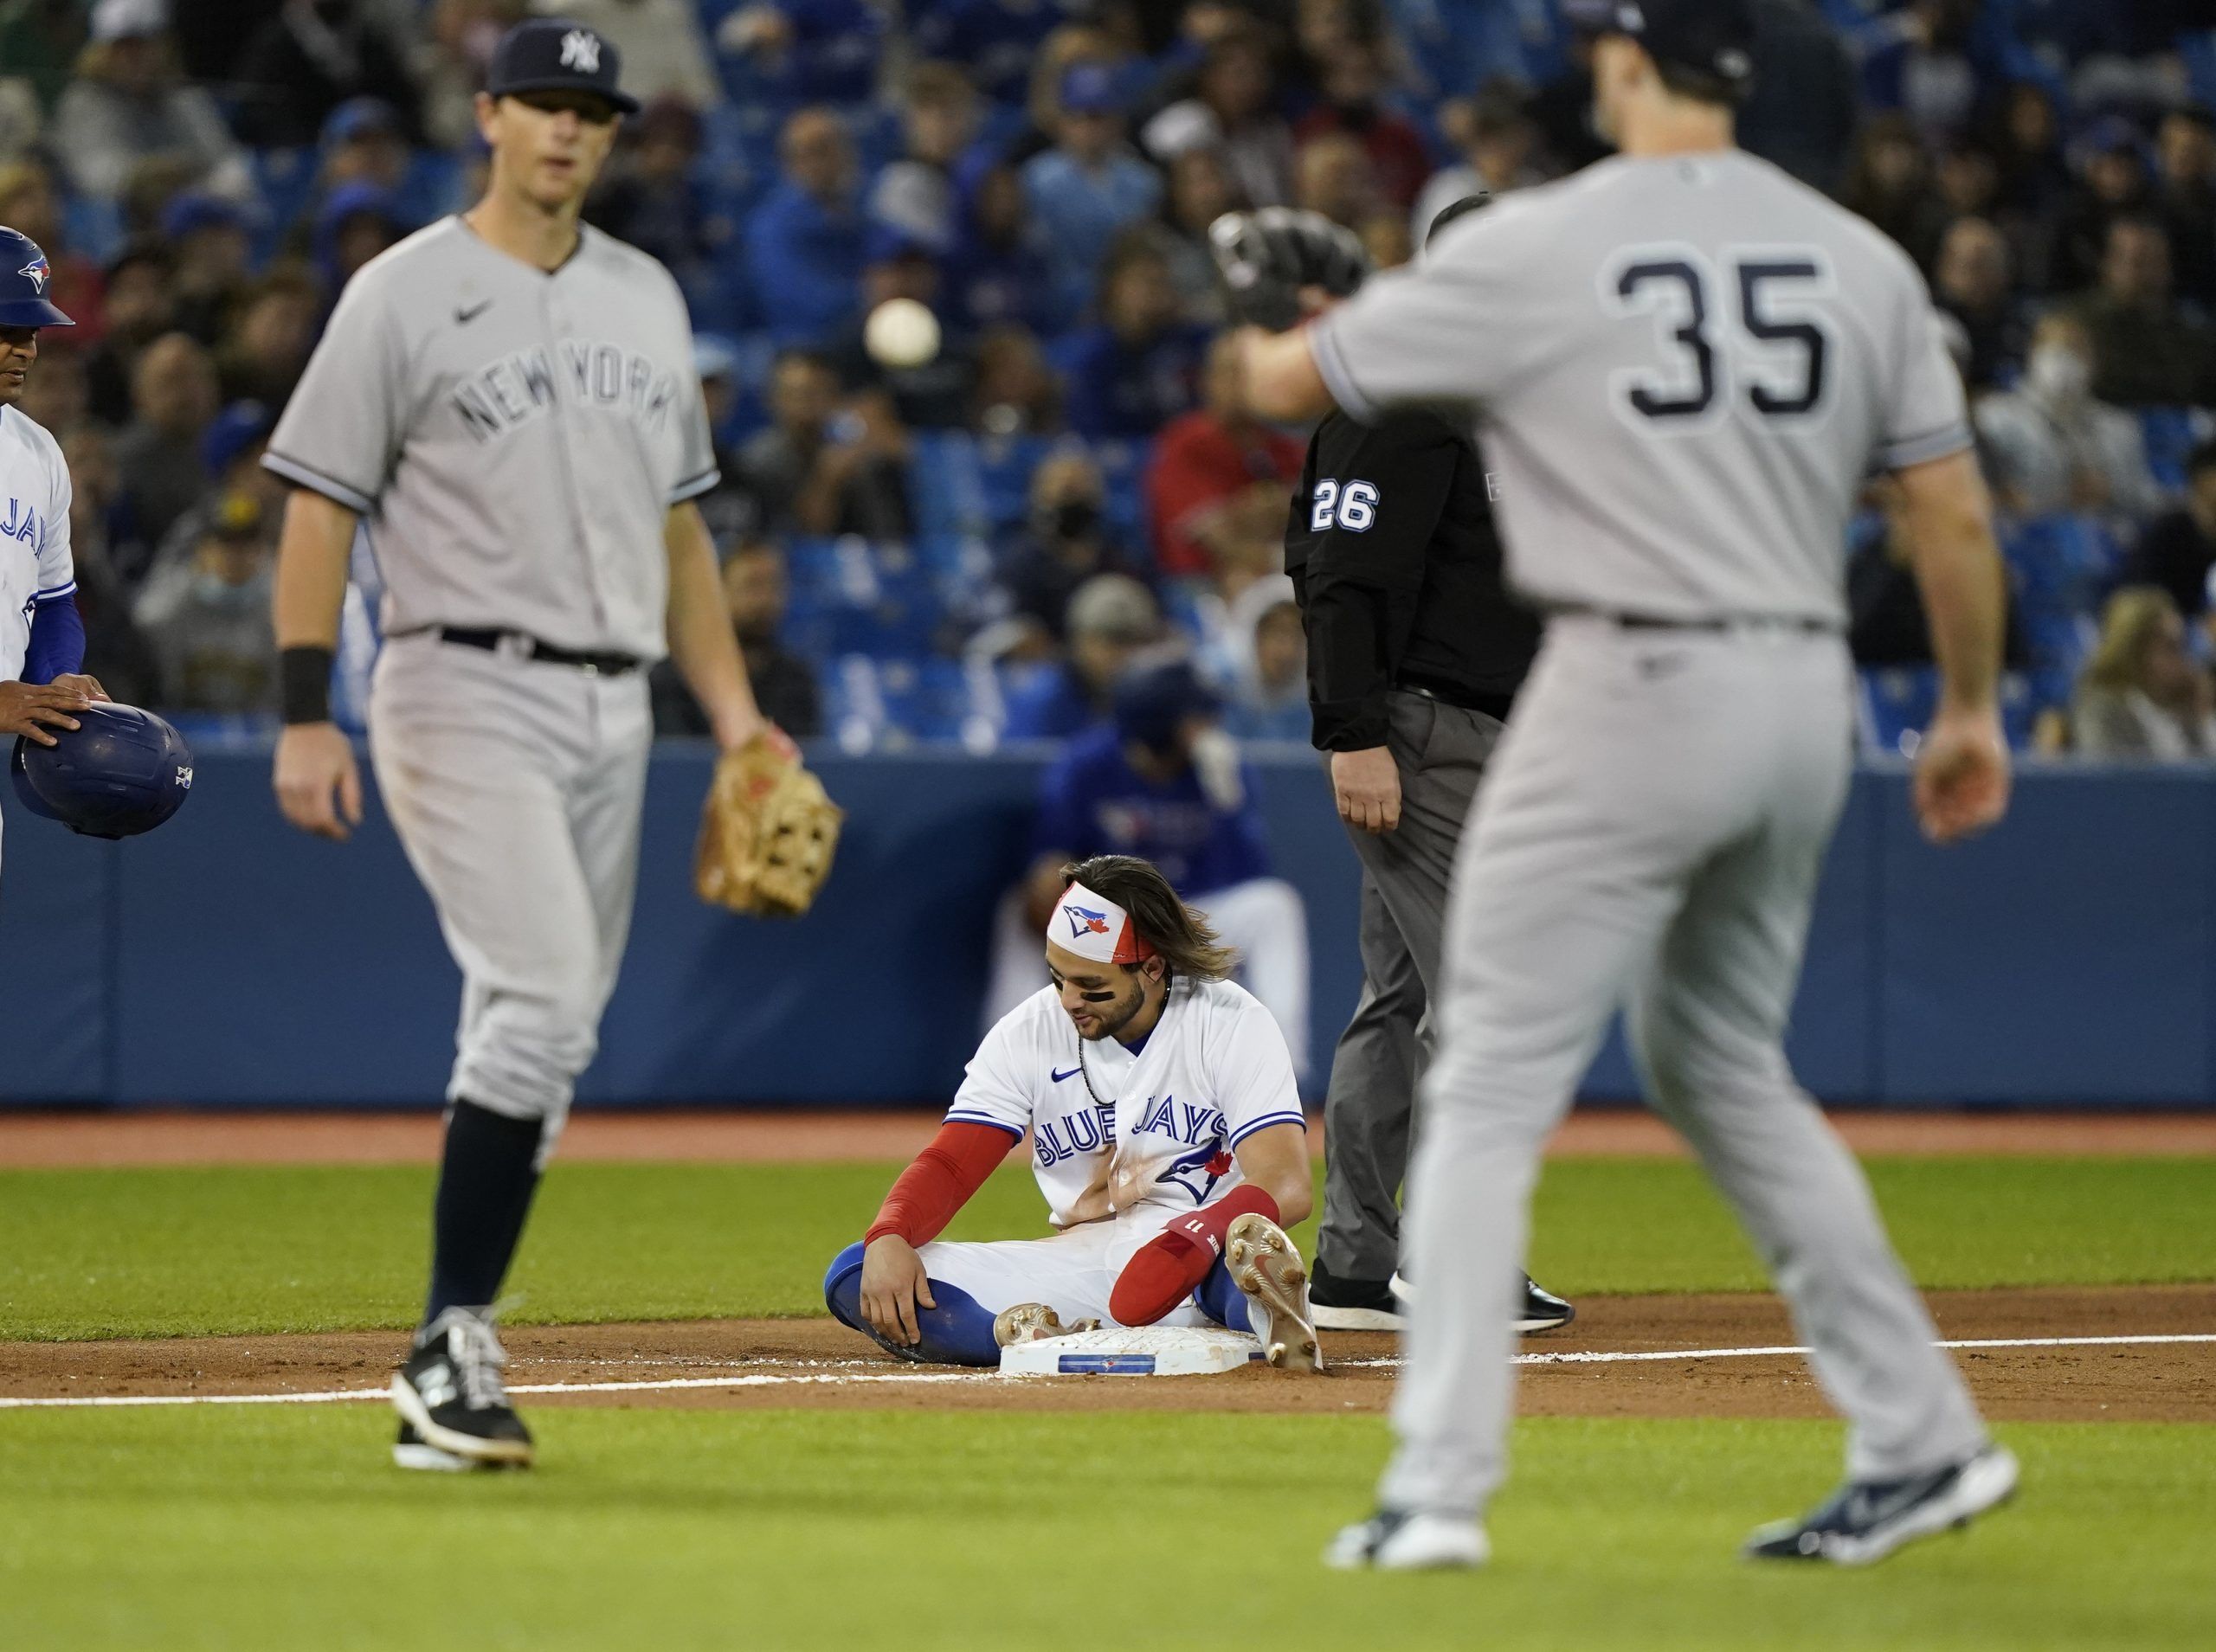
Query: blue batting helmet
column 121, row 772
column 24, row 277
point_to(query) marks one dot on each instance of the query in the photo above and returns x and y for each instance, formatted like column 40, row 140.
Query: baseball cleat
column 410, row 1451
column 1865, row 1520
column 1033, row 1322
column 450, row 1392
column 1352, row 1304
column 1267, row 1270
column 1542, row 1309
column 1395, row 1540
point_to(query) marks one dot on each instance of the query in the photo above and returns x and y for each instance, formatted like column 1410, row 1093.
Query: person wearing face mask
column 208, row 619
column 2053, row 447
column 1066, row 541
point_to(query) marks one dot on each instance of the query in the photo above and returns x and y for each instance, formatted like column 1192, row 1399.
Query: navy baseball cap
column 1713, row 37
column 554, row 54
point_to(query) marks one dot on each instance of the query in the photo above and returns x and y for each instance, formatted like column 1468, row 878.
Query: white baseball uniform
column 1156, row 1129
column 1683, row 368
column 35, row 563
column 515, row 438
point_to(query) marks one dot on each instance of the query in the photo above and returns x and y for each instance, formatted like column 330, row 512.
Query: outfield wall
column 227, row 960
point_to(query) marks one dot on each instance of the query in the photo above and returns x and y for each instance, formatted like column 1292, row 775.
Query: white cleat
column 1267, row 1270
column 1391, row 1540
column 1033, row 1322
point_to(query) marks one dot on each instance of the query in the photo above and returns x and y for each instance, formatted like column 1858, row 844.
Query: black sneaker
column 410, row 1451
column 1352, row 1304
column 1541, row 1311
column 1865, row 1520
column 449, row 1392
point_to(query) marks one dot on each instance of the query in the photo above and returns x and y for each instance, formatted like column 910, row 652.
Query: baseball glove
column 767, row 834
column 1266, row 257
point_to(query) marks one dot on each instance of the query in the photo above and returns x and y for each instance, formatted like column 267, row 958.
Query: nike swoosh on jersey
column 1058, row 1077
column 462, row 318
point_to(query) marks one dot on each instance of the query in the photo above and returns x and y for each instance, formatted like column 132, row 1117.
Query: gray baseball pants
column 1652, row 830
column 515, row 785
column 1441, row 752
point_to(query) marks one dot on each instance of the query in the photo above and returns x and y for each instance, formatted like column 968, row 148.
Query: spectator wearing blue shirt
column 1088, row 187
column 996, row 38
column 1141, row 365
column 804, row 243
column 809, row 51
column 1110, row 617
column 998, row 275
column 1165, row 782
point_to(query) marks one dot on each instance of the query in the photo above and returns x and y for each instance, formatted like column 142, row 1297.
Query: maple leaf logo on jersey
column 1083, row 922
column 580, row 51
column 40, row 272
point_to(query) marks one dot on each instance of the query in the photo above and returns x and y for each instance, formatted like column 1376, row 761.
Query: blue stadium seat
column 850, row 597
column 2170, row 434
column 1122, row 468
column 1897, row 701
column 94, row 227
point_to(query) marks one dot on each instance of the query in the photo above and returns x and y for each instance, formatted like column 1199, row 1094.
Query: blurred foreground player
column 511, row 396
column 1166, row 1136
column 1683, row 363
column 42, row 638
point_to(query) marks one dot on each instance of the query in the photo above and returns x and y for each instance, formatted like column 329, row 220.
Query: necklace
column 1084, row 1069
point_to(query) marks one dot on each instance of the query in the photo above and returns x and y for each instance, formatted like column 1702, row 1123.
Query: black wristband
column 304, row 675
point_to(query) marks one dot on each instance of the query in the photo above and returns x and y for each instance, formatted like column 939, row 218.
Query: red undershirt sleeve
column 944, row 1177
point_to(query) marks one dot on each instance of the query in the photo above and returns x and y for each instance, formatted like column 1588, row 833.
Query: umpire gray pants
column 1652, row 828
column 515, row 785
column 1441, row 752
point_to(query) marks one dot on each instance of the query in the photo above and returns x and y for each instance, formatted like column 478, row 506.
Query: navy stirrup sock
column 486, row 1177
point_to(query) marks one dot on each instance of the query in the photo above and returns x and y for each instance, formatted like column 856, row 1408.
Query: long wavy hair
column 2127, row 624
column 1181, row 936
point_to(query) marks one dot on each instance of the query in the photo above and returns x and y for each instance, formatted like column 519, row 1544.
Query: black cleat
column 1865, row 1520
column 1542, row 1310
column 449, row 1394
column 1352, row 1304
column 410, row 1451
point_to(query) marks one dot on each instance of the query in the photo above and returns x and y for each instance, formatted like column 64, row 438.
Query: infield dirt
column 815, row 1363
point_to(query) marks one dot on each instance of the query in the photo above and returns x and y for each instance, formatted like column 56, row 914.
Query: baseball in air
column 900, row 332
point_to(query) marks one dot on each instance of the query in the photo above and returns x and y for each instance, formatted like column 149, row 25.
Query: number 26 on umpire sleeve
column 1353, row 506
column 1779, row 342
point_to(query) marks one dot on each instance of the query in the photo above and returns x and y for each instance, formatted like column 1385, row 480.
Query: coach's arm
column 318, row 784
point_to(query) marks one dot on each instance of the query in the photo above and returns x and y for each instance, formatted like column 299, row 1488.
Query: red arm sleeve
column 941, row 1181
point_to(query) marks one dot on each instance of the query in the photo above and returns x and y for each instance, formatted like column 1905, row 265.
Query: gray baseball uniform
column 515, row 438
column 1683, row 368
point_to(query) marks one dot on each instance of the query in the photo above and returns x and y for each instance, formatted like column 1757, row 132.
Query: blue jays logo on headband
column 1085, row 921
column 40, row 272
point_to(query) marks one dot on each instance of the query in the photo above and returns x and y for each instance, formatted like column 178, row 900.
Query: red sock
column 1166, row 1269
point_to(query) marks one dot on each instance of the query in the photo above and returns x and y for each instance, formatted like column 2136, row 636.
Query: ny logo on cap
column 37, row 270
column 580, row 51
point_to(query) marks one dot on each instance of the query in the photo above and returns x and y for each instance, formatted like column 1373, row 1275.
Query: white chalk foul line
column 782, row 1380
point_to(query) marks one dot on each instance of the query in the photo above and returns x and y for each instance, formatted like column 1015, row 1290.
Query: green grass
column 283, row 1528
column 182, row 1251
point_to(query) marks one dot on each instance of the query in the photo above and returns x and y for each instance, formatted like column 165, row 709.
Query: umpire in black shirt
column 1415, row 651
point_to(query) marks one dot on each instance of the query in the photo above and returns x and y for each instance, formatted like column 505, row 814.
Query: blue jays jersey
column 1116, row 1130
column 1093, row 802
column 34, row 561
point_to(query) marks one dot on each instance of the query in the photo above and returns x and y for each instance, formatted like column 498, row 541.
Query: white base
column 1146, row 1350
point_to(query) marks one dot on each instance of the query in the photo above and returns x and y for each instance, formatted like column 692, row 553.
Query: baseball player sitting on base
column 1166, row 1136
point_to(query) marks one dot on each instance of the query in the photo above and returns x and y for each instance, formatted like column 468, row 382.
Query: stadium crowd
column 973, row 549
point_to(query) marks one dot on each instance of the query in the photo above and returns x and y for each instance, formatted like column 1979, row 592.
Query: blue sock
column 958, row 1331
column 1221, row 1301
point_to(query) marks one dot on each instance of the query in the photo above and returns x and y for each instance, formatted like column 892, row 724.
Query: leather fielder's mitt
column 768, row 833
column 1266, row 257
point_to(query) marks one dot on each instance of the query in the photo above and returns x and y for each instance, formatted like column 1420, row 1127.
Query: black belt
column 1496, row 706
column 529, row 647
column 1794, row 623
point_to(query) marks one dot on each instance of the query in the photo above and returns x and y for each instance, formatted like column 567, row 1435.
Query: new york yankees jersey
column 516, row 437
column 1157, row 1127
column 1705, row 358
column 35, row 563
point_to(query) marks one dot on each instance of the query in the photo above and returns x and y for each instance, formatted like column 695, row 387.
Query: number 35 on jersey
column 1750, row 336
